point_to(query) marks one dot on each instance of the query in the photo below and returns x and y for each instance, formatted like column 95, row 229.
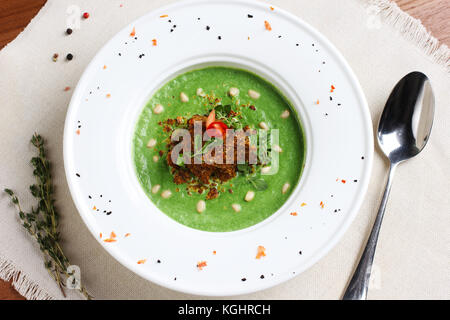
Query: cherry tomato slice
column 211, row 118
column 217, row 129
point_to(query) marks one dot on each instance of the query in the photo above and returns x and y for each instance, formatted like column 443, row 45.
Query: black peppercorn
column 69, row 56
column 69, row 31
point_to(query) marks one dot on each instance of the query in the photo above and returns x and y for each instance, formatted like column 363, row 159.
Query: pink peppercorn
column 86, row 15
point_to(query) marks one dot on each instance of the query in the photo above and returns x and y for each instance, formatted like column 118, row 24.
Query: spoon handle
column 357, row 288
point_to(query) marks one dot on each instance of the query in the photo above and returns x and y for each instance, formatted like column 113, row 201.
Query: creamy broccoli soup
column 218, row 149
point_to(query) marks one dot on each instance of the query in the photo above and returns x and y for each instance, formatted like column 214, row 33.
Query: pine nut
column 151, row 143
column 263, row 125
column 265, row 170
column 254, row 94
column 285, row 114
column 201, row 206
column 277, row 148
column 155, row 188
column 158, row 109
column 236, row 207
column 233, row 92
column 155, row 158
column 200, row 92
column 249, row 196
column 166, row 194
column 285, row 188
column 184, row 97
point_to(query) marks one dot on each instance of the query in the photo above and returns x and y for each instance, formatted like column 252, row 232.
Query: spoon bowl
column 406, row 121
column 403, row 131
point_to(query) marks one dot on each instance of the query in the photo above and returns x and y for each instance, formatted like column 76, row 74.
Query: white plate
column 294, row 57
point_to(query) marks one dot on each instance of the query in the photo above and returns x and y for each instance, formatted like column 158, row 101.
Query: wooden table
column 15, row 15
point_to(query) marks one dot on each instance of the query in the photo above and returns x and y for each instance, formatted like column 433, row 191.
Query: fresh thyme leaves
column 244, row 168
column 223, row 113
column 180, row 161
column 258, row 183
column 42, row 222
column 247, row 171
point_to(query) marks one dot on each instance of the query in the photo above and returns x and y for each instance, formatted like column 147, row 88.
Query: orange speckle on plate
column 142, row 261
column 104, row 67
column 267, row 25
column 272, row 8
column 109, row 240
column 317, row 102
column 94, row 208
column 101, row 235
column 343, row 181
column 133, row 32
column 332, row 88
column 322, row 205
column 248, row 38
column 77, row 132
column 294, row 214
column 108, row 95
column 164, row 16
column 113, row 235
column 155, row 42
column 214, row 252
column 127, row 235
column 303, row 204
column 66, row 88
column 261, row 252
column 201, row 265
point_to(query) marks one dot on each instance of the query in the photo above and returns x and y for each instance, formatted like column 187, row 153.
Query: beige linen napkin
column 380, row 42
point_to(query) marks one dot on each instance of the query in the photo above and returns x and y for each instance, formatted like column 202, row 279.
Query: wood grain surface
column 16, row 14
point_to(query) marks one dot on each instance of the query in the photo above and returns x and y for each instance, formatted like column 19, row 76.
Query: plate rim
column 322, row 251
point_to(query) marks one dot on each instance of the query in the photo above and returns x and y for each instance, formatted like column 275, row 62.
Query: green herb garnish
column 42, row 222
column 258, row 183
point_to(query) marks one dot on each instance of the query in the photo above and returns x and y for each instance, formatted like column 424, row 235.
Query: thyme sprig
column 43, row 219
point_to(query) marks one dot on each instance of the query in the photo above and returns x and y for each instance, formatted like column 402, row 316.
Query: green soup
column 219, row 214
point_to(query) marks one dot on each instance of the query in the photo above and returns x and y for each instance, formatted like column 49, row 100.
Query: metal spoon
column 403, row 132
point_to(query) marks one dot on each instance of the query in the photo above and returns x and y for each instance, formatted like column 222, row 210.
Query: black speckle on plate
column 78, row 175
column 244, row 279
